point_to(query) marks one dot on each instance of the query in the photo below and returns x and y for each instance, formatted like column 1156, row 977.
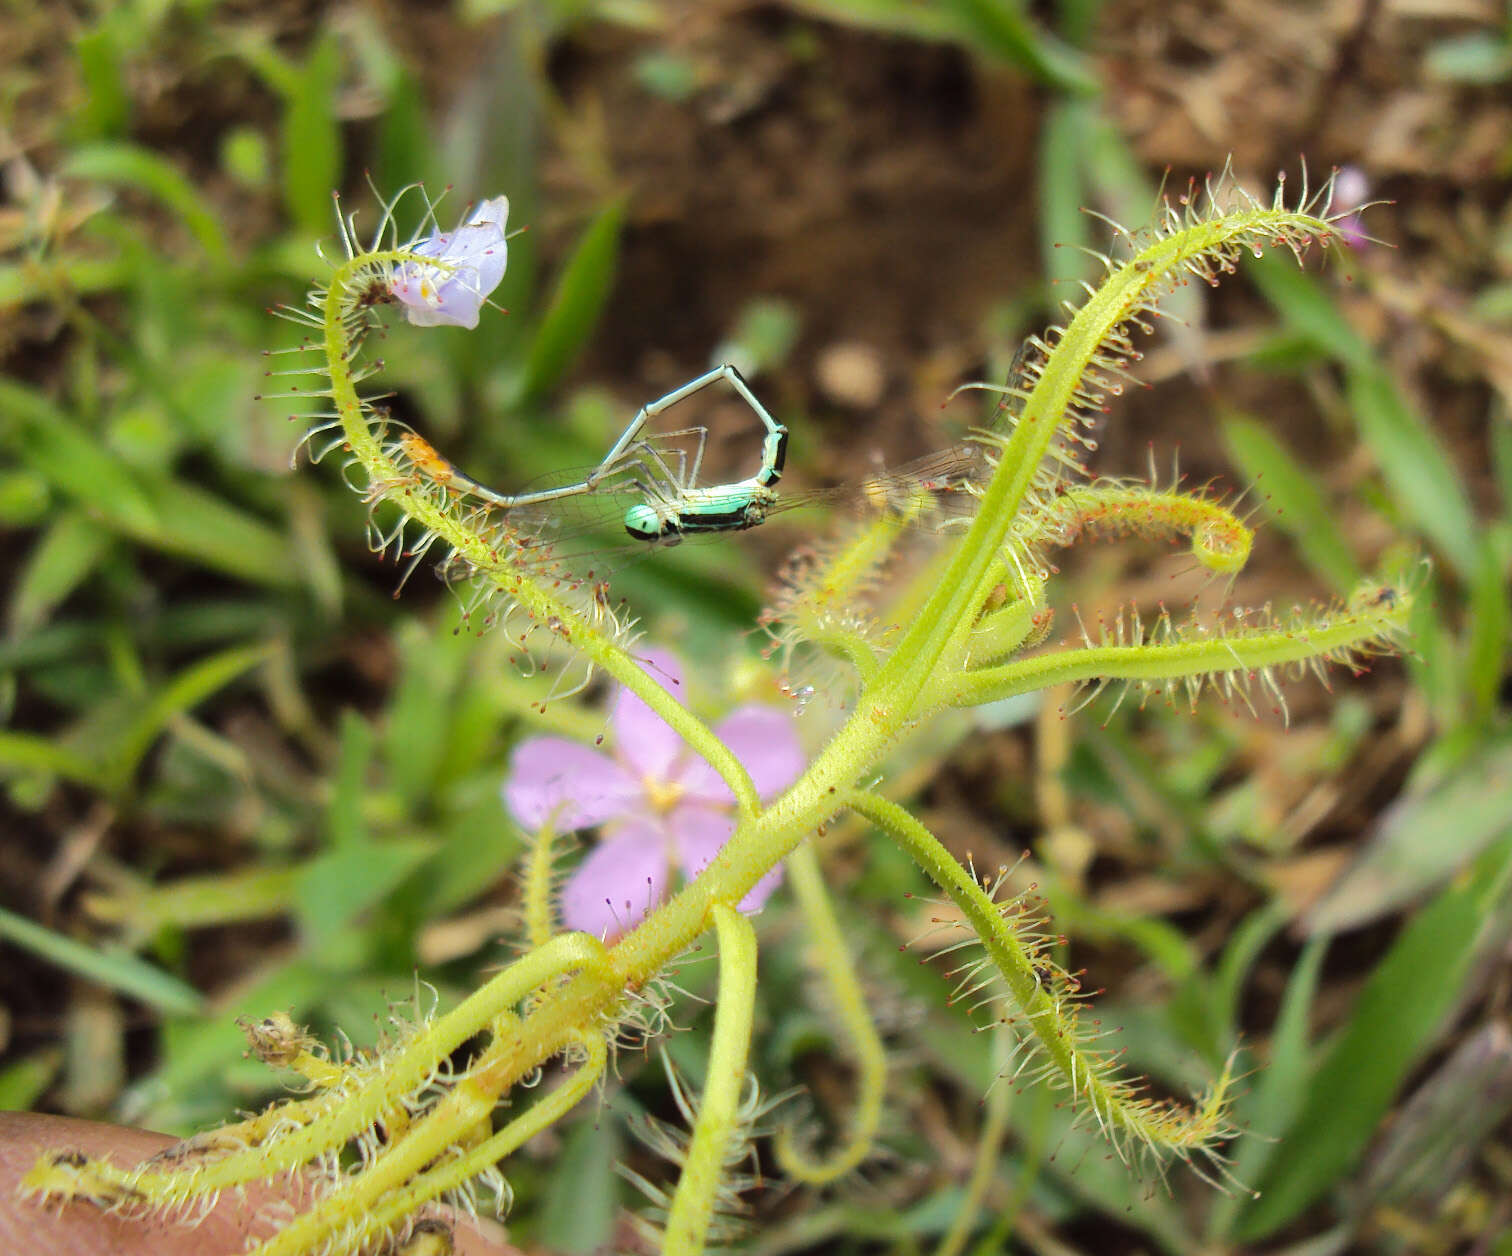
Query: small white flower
column 475, row 254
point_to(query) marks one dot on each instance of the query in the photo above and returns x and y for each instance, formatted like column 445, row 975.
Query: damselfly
column 633, row 457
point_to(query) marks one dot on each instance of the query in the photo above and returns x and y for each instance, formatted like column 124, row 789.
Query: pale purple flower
column 661, row 806
column 476, row 254
column 1351, row 187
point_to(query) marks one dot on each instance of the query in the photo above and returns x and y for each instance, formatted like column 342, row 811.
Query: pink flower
column 1350, row 189
column 661, row 805
column 476, row 254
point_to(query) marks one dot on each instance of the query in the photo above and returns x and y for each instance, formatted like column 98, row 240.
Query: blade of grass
column 22, row 1082
column 1064, row 229
column 1397, row 1017
column 25, row 752
column 106, row 103
column 1004, row 29
column 156, row 510
column 580, row 297
column 1267, row 1109
column 117, row 970
column 73, row 461
column 51, row 278
column 1307, row 309
column 125, row 163
column 578, row 1206
column 1421, row 839
column 1422, row 479
column 421, row 710
column 194, row 902
column 1293, row 499
column 58, row 564
column 997, row 28
column 1490, row 625
column 186, row 690
column 198, row 525
column 311, row 138
column 1251, row 937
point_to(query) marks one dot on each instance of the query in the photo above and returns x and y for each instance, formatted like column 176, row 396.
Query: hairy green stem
column 339, row 1113
column 360, row 1213
column 718, row 1122
column 1089, row 1076
column 1243, row 654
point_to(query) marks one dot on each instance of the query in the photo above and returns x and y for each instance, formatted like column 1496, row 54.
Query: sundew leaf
column 1422, row 479
column 1292, row 499
column 580, row 297
column 1080, row 1164
column 1397, row 1017
column 116, row 969
column 1117, row 182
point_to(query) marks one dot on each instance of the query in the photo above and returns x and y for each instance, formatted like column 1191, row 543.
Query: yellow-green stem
column 717, row 1123
column 847, row 1006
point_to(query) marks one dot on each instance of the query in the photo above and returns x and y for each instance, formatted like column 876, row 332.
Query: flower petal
column 618, row 882
column 641, row 737
column 699, row 834
column 476, row 254
column 550, row 772
column 765, row 740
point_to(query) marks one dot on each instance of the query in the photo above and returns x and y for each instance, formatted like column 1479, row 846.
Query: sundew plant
column 384, row 1139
